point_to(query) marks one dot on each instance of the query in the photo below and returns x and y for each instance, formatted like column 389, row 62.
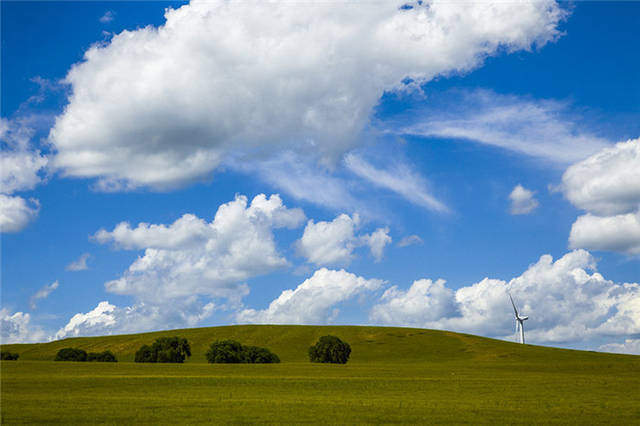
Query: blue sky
column 235, row 162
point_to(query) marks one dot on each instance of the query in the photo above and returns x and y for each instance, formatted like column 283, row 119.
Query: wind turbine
column 519, row 320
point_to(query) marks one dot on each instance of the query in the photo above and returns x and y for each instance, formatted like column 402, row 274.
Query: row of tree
column 328, row 349
column 75, row 354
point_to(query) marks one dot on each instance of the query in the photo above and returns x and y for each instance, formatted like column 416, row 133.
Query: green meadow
column 395, row 375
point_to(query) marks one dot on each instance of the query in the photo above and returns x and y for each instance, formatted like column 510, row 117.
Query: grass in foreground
column 395, row 375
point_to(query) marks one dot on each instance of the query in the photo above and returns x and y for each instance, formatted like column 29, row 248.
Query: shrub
column 232, row 352
column 165, row 349
column 106, row 356
column 71, row 354
column 8, row 356
column 330, row 349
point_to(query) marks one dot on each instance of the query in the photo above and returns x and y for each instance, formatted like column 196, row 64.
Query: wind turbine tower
column 519, row 320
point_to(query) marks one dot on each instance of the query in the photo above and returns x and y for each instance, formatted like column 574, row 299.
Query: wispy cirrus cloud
column 400, row 178
column 107, row 17
column 540, row 128
column 43, row 293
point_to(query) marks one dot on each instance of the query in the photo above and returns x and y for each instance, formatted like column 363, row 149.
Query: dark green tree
column 106, row 356
column 8, row 356
column 145, row 354
column 225, row 351
column 71, row 354
column 232, row 352
column 165, row 349
column 258, row 355
column 330, row 349
column 171, row 349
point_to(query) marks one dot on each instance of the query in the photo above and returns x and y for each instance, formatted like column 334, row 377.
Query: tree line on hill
column 328, row 349
column 8, row 356
column 79, row 355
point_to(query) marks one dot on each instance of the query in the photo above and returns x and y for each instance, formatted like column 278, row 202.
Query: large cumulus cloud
column 194, row 257
column 162, row 107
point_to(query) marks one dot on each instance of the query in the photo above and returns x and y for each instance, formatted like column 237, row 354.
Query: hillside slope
column 290, row 342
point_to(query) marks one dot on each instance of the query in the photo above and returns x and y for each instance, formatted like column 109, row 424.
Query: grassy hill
column 395, row 375
column 290, row 342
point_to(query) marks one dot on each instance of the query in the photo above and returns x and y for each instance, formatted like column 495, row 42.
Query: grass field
column 395, row 375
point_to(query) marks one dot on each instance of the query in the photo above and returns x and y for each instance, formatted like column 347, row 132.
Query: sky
column 171, row 164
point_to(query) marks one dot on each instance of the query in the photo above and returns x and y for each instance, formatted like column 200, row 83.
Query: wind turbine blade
column 513, row 304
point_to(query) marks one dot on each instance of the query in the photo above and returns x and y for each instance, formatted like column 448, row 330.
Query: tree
column 171, row 349
column 232, row 352
column 258, row 355
column 71, row 354
column 330, row 349
column 165, row 349
column 8, row 356
column 145, row 354
column 106, row 356
column 225, row 352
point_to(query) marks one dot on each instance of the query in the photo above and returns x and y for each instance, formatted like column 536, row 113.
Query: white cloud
column 193, row 257
column 16, row 212
column 312, row 302
column 537, row 128
column 19, row 163
column 425, row 299
column 333, row 243
column 80, row 264
column 19, row 170
column 377, row 241
column 187, row 231
column 608, row 182
column 100, row 317
column 565, row 304
column 17, row 328
column 107, row 17
column 43, row 293
column 522, row 200
column 409, row 240
column 217, row 78
column 20, row 166
column 401, row 179
column 619, row 233
column 607, row 186
column 107, row 319
column 629, row 346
